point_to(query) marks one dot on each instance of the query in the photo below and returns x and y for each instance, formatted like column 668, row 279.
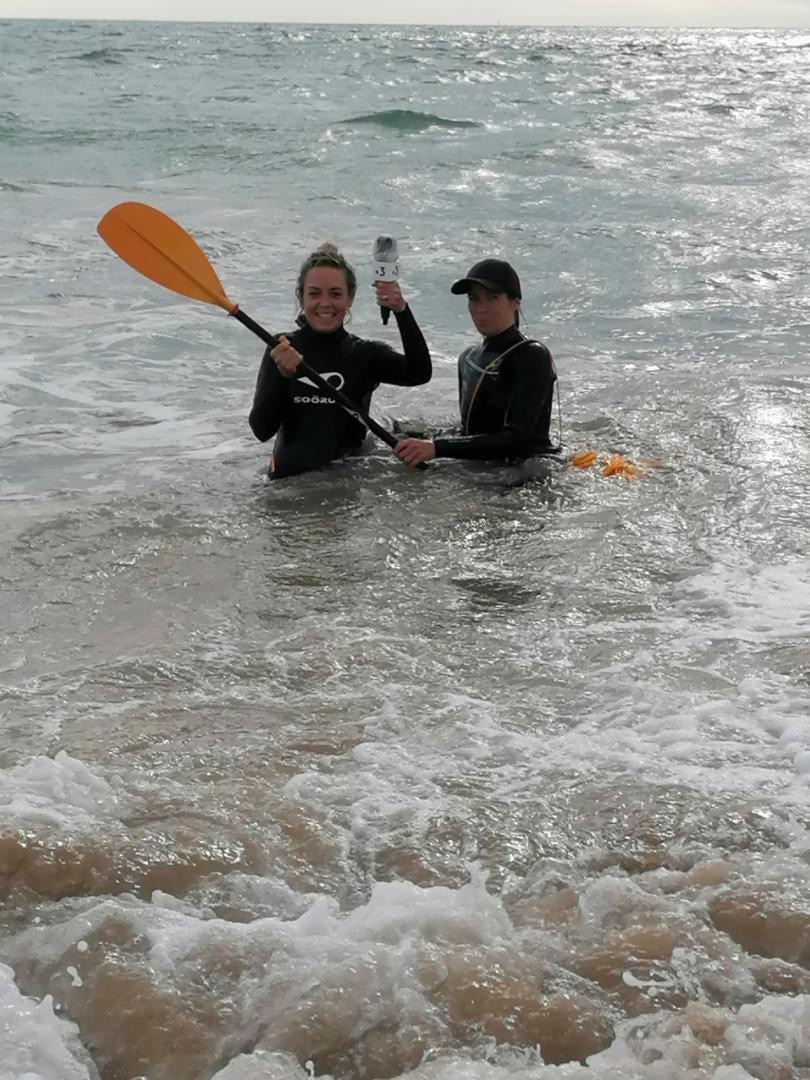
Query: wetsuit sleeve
column 530, row 397
column 269, row 400
column 411, row 369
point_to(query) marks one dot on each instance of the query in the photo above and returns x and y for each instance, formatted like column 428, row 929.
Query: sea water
column 479, row 772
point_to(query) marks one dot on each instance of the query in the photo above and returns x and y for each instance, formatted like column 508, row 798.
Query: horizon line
column 353, row 22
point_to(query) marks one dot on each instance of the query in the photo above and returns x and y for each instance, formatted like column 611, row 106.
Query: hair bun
column 325, row 255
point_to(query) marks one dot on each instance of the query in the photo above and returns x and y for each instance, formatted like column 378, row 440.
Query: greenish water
column 393, row 771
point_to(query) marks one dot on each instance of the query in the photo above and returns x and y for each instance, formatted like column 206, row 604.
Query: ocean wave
column 718, row 109
column 549, row 49
column 409, row 120
column 105, row 55
column 10, row 123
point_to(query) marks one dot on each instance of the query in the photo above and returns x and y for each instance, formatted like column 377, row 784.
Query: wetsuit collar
column 505, row 338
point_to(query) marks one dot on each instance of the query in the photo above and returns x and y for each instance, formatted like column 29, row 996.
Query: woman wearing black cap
column 506, row 383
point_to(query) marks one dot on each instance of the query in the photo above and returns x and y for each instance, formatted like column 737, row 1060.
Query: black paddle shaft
column 320, row 382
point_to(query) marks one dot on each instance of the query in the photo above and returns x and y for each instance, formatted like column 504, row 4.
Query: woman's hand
column 389, row 295
column 415, row 451
column 285, row 357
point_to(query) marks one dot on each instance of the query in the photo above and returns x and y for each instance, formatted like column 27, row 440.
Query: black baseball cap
column 493, row 274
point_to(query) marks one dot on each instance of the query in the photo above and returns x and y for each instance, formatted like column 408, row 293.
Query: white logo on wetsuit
column 334, row 378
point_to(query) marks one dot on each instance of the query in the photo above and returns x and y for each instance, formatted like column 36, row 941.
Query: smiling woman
column 405, row 775
column 310, row 429
column 326, row 300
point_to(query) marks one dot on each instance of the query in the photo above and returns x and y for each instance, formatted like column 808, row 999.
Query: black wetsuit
column 506, row 408
column 310, row 429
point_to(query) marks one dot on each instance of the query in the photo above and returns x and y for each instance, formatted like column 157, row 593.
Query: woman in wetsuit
column 310, row 428
column 506, row 383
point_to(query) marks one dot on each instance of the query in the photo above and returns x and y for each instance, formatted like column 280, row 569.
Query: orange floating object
column 584, row 459
column 612, row 464
column 618, row 465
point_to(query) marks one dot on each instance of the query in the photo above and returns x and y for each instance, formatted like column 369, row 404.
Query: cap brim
column 463, row 286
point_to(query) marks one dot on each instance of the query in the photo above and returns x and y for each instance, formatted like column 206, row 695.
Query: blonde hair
column 325, row 255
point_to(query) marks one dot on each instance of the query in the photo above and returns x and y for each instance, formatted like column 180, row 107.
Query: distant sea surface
column 475, row 773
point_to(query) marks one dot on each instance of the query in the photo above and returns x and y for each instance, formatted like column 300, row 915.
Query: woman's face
column 326, row 298
column 490, row 312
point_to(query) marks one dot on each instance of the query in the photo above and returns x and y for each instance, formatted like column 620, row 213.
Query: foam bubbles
column 262, row 1065
column 34, row 1042
column 61, row 792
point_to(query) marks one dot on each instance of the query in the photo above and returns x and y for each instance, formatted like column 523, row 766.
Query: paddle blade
column 160, row 249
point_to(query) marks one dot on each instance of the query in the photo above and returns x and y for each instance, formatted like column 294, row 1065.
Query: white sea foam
column 35, row 1044
column 60, row 792
column 318, row 702
column 750, row 603
column 262, row 1065
column 378, row 954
